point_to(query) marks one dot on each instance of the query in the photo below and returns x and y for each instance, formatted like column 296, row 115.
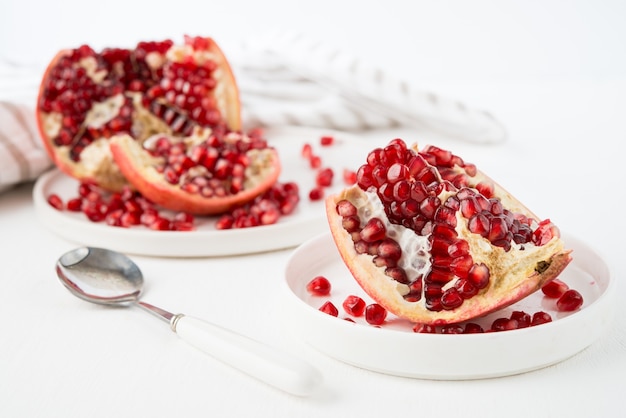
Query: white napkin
column 284, row 79
column 290, row 79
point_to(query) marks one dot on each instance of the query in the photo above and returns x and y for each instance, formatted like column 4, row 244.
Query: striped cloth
column 22, row 157
column 284, row 79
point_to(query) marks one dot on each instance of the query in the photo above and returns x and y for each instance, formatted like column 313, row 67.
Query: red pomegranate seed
column 316, row 193
column 523, row 319
column 182, row 226
column 485, row 188
column 346, row 208
column 504, row 324
column 540, row 318
column 324, row 177
column 452, row 329
column 349, row 177
column 160, row 224
column 75, row 204
column 554, row 289
column 570, row 301
column 329, row 308
column 225, row 222
column 354, row 305
column 183, row 217
column 451, row 298
column 479, row 275
column 373, row 231
column 389, row 249
column 129, row 219
column 319, row 286
column 315, row 161
column 327, row 140
column 55, row 201
column 473, row 328
column 375, row 314
column 424, row 329
column 307, row 151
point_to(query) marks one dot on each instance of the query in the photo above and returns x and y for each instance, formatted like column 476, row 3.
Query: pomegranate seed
column 160, row 224
column 504, row 324
column 485, row 188
column 307, row 151
column 324, row 177
column 451, row 298
column 570, row 301
column 554, row 289
column 374, row 230
column 452, row 329
column 55, row 201
column 225, row 222
column 75, row 204
column 540, row 318
column 375, row 314
column 329, row 308
column 345, row 208
column 349, row 177
column 354, row 305
column 424, row 329
column 389, row 249
column 478, row 275
column 327, row 140
column 316, row 193
column 523, row 319
column 319, row 286
column 315, row 161
column 473, row 328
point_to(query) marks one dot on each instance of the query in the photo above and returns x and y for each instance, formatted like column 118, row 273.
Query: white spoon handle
column 258, row 360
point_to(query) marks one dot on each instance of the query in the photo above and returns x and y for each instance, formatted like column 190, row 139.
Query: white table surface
column 553, row 72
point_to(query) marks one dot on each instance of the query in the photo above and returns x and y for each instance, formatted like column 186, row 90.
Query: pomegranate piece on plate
column 206, row 174
column 88, row 97
column 434, row 240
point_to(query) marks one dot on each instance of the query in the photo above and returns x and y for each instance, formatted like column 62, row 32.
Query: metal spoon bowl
column 109, row 278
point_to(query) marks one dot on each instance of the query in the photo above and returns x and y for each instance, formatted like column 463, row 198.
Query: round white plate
column 307, row 221
column 393, row 348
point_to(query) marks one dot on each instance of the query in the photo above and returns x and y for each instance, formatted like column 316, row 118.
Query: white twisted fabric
column 284, row 79
column 290, row 79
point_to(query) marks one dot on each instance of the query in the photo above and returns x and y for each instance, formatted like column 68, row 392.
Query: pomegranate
column 205, row 175
column 434, row 240
column 184, row 93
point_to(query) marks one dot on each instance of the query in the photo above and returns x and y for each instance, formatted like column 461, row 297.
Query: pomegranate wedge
column 205, row 174
column 87, row 97
column 434, row 240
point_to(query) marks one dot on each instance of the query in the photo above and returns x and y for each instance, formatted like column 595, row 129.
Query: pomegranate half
column 434, row 240
column 87, row 97
column 208, row 173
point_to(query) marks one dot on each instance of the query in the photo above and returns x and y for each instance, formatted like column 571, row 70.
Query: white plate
column 393, row 348
column 306, row 222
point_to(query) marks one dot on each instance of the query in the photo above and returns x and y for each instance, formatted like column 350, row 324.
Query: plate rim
column 199, row 243
column 599, row 312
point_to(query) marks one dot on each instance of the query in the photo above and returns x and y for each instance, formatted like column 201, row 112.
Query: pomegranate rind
column 99, row 170
column 513, row 275
column 99, row 167
column 138, row 166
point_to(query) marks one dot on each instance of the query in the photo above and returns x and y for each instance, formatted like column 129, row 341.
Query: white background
column 554, row 72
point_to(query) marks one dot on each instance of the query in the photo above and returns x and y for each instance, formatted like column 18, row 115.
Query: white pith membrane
column 513, row 273
column 96, row 161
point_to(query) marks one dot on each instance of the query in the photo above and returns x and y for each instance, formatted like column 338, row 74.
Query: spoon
column 106, row 277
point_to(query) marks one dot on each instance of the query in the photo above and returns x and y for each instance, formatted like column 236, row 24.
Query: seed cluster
column 430, row 192
column 179, row 93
